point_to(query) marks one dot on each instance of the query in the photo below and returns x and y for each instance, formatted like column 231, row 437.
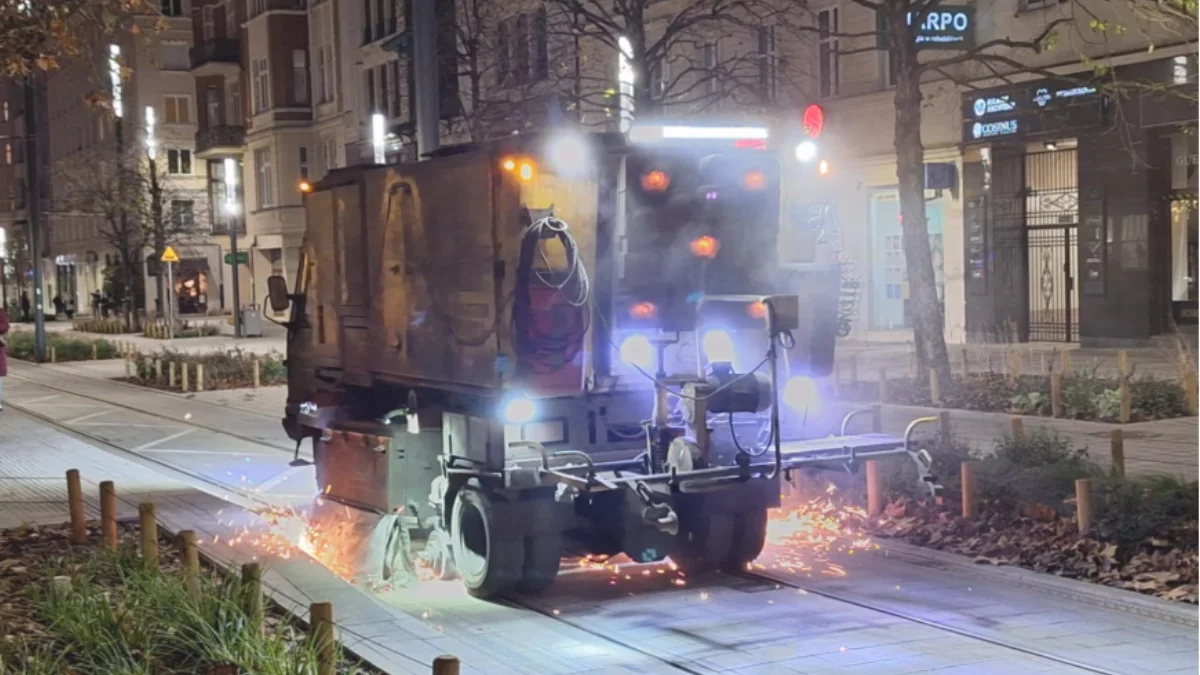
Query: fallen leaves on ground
column 1045, row 544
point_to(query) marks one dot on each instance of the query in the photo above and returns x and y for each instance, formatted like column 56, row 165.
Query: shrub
column 1132, row 511
column 229, row 369
column 1155, row 399
column 20, row 346
column 900, row 477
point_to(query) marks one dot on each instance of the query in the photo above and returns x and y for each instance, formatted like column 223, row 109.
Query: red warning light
column 813, row 120
column 705, row 247
column 643, row 310
column 757, row 310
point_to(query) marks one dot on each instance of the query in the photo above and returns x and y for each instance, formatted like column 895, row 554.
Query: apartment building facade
column 1032, row 161
column 16, row 269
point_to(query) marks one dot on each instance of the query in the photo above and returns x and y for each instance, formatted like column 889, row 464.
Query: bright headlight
column 636, row 350
column 717, row 346
column 519, row 410
column 806, row 151
column 800, row 393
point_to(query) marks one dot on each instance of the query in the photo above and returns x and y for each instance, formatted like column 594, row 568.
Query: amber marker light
column 705, row 247
column 656, row 181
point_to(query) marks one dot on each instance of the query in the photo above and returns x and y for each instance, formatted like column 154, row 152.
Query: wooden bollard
column 944, row 425
column 1123, row 363
column 877, row 418
column 158, row 370
column 53, row 355
column 1042, row 363
column 935, row 388
column 191, row 563
column 874, row 489
column 252, row 587
column 108, row 514
column 148, row 527
column 1083, row 504
column 1056, row 402
column 1192, row 400
column 1117, row 451
column 171, row 375
column 95, row 352
column 320, row 619
column 1126, row 401
column 1066, row 363
column 1018, row 428
column 446, row 665
column 183, row 378
column 970, row 503
column 257, row 373
column 199, row 377
column 75, row 504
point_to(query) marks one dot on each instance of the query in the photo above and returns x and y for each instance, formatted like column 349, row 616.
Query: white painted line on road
column 272, row 482
column 164, row 439
column 123, row 424
column 175, row 451
column 40, row 399
column 77, row 420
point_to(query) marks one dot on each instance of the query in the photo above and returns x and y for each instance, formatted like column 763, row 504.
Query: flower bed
column 1085, row 396
column 66, row 348
column 1143, row 537
column 120, row 616
column 228, row 369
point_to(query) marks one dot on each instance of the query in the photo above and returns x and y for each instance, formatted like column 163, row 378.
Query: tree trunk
column 925, row 308
column 160, row 235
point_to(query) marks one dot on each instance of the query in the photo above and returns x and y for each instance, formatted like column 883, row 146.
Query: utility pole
column 232, row 173
column 33, row 203
column 233, row 252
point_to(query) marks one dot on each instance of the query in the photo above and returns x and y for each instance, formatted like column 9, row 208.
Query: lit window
column 179, row 162
column 178, row 109
column 262, row 167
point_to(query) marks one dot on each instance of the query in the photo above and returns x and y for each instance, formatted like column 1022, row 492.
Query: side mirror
column 277, row 293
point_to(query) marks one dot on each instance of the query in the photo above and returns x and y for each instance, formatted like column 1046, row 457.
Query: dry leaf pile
column 1052, row 545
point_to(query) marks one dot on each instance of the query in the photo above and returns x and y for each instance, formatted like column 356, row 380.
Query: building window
column 369, row 90
column 8, row 154
column 173, row 56
column 521, row 62
column 541, row 50
column 234, row 99
column 257, row 7
column 329, row 152
column 660, row 77
column 303, row 162
column 300, row 76
column 231, row 22
column 179, row 162
column 183, row 214
column 6, row 111
column 208, row 26
column 766, row 63
column 827, row 51
column 710, row 57
column 262, row 169
column 389, row 72
column 212, row 103
column 320, row 84
column 887, row 68
column 178, row 109
column 172, row 7
column 262, row 86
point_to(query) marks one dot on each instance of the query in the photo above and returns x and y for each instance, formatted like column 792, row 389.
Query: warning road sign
column 170, row 256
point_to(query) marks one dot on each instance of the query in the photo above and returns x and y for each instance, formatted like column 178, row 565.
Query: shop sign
column 982, row 130
column 1044, row 96
column 992, row 105
column 945, row 27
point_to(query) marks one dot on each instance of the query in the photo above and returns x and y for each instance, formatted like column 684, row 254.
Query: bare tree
column 688, row 56
column 134, row 204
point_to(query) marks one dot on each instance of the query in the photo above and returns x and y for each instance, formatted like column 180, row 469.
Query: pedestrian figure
column 70, row 308
column 58, row 305
column 95, row 304
column 3, row 356
column 25, row 306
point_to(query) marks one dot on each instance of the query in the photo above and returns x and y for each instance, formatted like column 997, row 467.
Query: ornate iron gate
column 1035, row 218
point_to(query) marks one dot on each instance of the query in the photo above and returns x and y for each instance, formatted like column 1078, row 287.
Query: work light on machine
column 705, row 247
column 806, row 151
column 717, row 346
column 656, row 181
column 636, row 350
column 523, row 167
column 519, row 409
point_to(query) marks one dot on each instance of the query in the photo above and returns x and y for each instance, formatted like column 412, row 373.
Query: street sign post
column 242, row 258
column 170, row 257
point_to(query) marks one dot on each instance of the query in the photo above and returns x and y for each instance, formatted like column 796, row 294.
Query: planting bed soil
column 116, row 615
column 1085, row 396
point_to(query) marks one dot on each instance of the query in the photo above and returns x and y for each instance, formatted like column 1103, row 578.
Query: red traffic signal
column 813, row 120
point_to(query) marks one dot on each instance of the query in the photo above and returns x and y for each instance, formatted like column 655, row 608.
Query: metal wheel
column 749, row 537
column 487, row 563
column 542, row 556
column 706, row 543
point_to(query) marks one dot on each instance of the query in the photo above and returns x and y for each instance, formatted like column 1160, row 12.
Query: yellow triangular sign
column 170, row 256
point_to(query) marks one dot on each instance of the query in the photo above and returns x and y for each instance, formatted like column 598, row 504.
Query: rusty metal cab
column 457, row 353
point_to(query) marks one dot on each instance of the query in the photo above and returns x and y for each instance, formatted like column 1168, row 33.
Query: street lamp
column 231, row 210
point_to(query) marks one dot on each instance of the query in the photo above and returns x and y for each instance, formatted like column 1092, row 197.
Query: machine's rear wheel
column 542, row 555
column 749, row 537
column 488, row 563
column 706, row 544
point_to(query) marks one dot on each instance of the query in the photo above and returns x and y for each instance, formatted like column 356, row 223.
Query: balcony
column 222, row 141
column 216, row 57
